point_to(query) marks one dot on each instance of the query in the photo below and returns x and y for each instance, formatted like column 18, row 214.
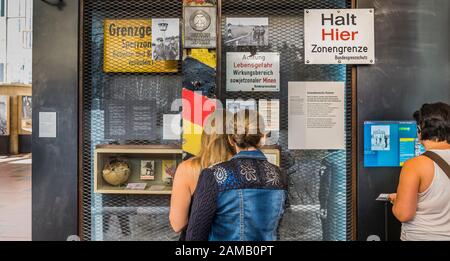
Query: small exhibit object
column 247, row 31
column 147, row 170
column 168, row 170
column 383, row 197
column 200, row 27
column 136, row 186
column 116, row 172
column 248, row 72
column 166, row 39
column 47, row 124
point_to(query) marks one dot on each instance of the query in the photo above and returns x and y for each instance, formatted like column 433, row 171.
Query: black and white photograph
column 381, row 140
column 4, row 115
column 247, row 31
column 147, row 170
column 27, row 113
column 166, row 39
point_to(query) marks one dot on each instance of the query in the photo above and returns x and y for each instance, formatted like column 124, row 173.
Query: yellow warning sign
column 128, row 47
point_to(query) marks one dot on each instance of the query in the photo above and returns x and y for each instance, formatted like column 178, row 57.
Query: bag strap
column 439, row 161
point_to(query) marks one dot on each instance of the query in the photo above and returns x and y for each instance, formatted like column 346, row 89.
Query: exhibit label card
column 234, row 106
column 339, row 36
column 47, row 124
column 247, row 72
column 200, row 27
column 270, row 111
column 316, row 116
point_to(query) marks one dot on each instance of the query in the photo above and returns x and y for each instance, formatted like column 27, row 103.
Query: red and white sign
column 339, row 36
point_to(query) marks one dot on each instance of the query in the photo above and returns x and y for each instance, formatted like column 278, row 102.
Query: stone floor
column 15, row 198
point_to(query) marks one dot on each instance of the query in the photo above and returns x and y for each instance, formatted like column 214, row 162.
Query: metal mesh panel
column 319, row 181
column 122, row 217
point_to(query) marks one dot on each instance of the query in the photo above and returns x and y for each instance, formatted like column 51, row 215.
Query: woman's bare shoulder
column 187, row 166
column 421, row 164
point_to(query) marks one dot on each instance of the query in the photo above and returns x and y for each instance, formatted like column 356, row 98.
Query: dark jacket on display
column 239, row 200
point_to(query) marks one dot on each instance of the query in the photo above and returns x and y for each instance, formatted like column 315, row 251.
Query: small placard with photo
column 147, row 170
column 166, row 39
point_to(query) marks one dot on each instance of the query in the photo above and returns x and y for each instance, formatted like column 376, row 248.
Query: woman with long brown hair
column 214, row 149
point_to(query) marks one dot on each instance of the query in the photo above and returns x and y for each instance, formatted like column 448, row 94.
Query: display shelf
column 134, row 155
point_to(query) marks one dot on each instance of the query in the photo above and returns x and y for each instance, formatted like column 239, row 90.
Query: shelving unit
column 134, row 154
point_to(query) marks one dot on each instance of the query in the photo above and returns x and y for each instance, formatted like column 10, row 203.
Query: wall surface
column 412, row 68
column 55, row 89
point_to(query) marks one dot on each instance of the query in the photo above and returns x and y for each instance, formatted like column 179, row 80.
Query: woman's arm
column 204, row 207
column 181, row 197
column 405, row 201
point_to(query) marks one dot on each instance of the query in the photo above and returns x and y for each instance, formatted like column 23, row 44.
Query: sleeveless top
column 432, row 220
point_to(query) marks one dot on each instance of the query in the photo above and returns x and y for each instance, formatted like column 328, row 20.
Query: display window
column 153, row 71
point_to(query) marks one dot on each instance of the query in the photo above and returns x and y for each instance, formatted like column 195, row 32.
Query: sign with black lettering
column 200, row 27
column 339, row 36
column 128, row 47
column 253, row 73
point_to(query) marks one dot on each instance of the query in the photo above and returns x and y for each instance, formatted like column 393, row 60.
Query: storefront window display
column 124, row 110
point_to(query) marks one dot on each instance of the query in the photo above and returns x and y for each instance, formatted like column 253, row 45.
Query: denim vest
column 251, row 199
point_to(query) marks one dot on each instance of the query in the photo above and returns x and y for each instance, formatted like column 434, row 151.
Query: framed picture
column 166, row 39
column 200, row 27
column 272, row 155
column 25, row 115
column 147, row 170
column 168, row 170
column 248, row 31
column 4, row 115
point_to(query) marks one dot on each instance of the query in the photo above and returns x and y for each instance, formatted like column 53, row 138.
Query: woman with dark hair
column 242, row 199
column 422, row 201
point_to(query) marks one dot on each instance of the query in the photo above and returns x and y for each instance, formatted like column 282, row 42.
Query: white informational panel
column 171, row 127
column 270, row 111
column 247, row 72
column 339, row 36
column 47, row 124
column 316, row 116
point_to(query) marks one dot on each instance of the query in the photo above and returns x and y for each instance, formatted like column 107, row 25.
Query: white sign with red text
column 339, row 36
column 248, row 72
